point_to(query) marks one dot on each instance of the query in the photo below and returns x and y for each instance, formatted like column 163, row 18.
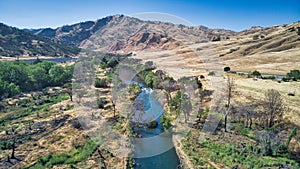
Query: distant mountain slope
column 258, row 40
column 16, row 42
column 72, row 35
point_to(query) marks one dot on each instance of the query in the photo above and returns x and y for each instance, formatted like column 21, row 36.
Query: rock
column 152, row 124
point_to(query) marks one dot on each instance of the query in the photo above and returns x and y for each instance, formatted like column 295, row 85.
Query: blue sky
column 234, row 15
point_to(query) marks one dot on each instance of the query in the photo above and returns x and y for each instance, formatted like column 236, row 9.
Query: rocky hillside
column 16, row 42
column 123, row 34
column 109, row 33
column 142, row 41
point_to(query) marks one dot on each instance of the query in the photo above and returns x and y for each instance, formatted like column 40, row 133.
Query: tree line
column 17, row 77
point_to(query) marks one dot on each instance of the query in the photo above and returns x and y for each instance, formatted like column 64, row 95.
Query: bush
column 211, row 73
column 72, row 157
column 271, row 77
column 149, row 65
column 112, row 63
column 294, row 74
column 216, row 38
column 226, row 69
column 134, row 90
column 8, row 90
column 165, row 121
column 256, row 73
column 100, row 83
column 149, row 78
column 255, row 37
column 101, row 102
column 285, row 79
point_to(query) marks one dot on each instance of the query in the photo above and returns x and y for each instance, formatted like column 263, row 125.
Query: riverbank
column 185, row 161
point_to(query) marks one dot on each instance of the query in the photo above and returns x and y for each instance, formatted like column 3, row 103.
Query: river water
column 55, row 60
column 155, row 149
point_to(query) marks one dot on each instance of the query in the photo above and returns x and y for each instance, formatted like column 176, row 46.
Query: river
column 54, row 59
column 155, row 149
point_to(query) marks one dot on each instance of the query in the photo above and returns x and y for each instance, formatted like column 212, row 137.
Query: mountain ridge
column 97, row 35
column 122, row 34
column 115, row 33
column 16, row 42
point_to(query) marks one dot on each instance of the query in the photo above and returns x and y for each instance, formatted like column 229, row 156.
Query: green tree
column 40, row 77
column 134, row 90
column 294, row 74
column 15, row 72
column 256, row 73
column 46, row 65
column 112, row 63
column 151, row 80
column 8, row 90
column 58, row 75
column 165, row 121
column 13, row 89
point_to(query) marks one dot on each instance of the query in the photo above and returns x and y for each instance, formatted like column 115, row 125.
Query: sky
column 235, row 15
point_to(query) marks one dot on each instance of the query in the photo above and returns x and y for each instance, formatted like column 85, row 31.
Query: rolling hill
column 16, row 42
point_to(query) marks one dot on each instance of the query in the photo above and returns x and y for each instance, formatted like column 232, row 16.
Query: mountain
column 108, row 33
column 16, row 42
column 143, row 41
column 265, row 40
column 124, row 34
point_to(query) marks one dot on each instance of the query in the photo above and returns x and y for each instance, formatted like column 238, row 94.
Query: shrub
column 134, row 90
column 294, row 74
column 255, row 37
column 226, row 69
column 271, row 77
column 216, row 38
column 285, row 79
column 149, row 65
column 165, row 121
column 100, row 83
column 256, row 73
column 101, row 102
column 211, row 73
column 72, row 157
column 112, row 63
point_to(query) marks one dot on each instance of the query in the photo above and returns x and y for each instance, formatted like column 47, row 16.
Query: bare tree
column 225, row 118
column 270, row 142
column 273, row 106
column 113, row 102
column 229, row 90
column 186, row 106
column 13, row 146
column 229, row 94
column 248, row 112
column 68, row 90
